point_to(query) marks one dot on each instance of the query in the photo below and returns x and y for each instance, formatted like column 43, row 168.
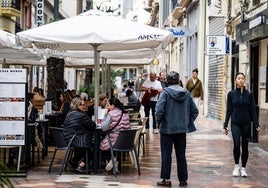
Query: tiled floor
column 210, row 165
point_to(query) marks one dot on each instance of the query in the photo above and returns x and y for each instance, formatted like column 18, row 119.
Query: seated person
column 133, row 100
column 32, row 116
column 32, row 110
column 37, row 95
column 116, row 119
column 78, row 121
column 65, row 99
column 102, row 103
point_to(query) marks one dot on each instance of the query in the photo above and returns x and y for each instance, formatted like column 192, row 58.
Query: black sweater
column 241, row 108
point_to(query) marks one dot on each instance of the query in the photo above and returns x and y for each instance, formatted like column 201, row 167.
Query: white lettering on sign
column 256, row 22
column 40, row 12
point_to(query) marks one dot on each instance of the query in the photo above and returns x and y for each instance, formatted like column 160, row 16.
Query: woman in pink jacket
column 116, row 119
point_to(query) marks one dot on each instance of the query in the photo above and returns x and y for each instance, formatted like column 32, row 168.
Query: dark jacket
column 241, row 108
column 175, row 110
column 33, row 115
column 79, row 122
column 62, row 114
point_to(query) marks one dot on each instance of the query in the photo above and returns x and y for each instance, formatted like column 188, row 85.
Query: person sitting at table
column 131, row 96
column 102, row 103
column 133, row 100
column 37, row 95
column 32, row 110
column 115, row 119
column 31, row 117
column 78, row 121
column 65, row 99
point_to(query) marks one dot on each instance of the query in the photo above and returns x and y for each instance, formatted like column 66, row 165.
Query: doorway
column 254, row 83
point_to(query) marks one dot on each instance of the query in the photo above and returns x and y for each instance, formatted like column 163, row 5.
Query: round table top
column 41, row 120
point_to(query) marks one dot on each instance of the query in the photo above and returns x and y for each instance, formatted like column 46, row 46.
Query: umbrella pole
column 96, row 81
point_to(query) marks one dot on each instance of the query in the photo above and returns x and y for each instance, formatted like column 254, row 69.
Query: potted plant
column 4, row 180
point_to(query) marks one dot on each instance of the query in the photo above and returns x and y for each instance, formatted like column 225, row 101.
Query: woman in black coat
column 79, row 122
column 241, row 108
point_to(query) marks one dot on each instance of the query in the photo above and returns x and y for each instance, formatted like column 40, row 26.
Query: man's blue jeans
column 147, row 114
column 166, row 142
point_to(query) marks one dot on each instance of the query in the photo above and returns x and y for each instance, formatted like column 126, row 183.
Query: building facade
column 244, row 26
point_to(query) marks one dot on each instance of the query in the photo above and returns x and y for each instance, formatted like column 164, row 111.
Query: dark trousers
column 239, row 131
column 147, row 114
column 80, row 154
column 166, row 142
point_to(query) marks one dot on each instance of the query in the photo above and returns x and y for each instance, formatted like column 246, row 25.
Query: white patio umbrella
column 91, row 31
column 11, row 53
column 94, row 29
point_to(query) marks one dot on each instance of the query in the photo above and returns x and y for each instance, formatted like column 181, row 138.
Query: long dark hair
column 114, row 101
column 239, row 73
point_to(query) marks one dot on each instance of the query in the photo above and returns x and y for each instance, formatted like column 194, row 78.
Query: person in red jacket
column 152, row 87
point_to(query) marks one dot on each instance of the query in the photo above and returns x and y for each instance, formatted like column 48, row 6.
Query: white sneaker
column 156, row 131
column 236, row 171
column 109, row 166
column 243, row 172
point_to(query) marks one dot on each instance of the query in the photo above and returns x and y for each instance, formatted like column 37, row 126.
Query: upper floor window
column 255, row 2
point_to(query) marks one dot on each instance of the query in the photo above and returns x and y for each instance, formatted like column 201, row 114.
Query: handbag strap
column 110, row 130
column 190, row 90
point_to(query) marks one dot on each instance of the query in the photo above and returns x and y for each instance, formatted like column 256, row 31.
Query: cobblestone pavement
column 210, row 165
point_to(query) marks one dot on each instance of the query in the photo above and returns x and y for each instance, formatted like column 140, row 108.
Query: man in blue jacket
column 175, row 113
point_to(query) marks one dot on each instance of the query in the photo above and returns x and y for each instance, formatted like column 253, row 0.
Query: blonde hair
column 75, row 103
column 102, row 97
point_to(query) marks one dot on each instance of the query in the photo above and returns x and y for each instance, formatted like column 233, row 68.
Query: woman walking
column 241, row 109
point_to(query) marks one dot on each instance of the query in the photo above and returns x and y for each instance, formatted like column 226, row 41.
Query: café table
column 54, row 119
column 43, row 123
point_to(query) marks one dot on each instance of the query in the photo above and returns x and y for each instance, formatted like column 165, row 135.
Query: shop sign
column 40, row 12
column 253, row 28
column 178, row 31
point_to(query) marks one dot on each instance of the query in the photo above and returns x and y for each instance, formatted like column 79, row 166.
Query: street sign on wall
column 217, row 45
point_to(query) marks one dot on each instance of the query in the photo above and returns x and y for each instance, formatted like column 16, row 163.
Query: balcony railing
column 10, row 8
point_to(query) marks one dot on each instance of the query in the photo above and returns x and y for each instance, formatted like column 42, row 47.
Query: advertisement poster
column 12, row 107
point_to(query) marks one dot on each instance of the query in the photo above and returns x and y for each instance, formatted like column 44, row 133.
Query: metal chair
column 141, row 142
column 61, row 144
column 124, row 143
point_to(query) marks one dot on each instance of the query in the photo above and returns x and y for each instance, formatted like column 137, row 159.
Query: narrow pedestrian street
column 210, row 165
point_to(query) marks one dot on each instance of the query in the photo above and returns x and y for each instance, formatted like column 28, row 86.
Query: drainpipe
column 203, row 61
column 56, row 10
column 79, row 6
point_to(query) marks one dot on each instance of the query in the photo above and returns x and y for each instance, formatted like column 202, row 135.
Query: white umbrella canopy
column 13, row 53
column 91, row 28
column 126, row 54
column 7, row 40
column 87, row 62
